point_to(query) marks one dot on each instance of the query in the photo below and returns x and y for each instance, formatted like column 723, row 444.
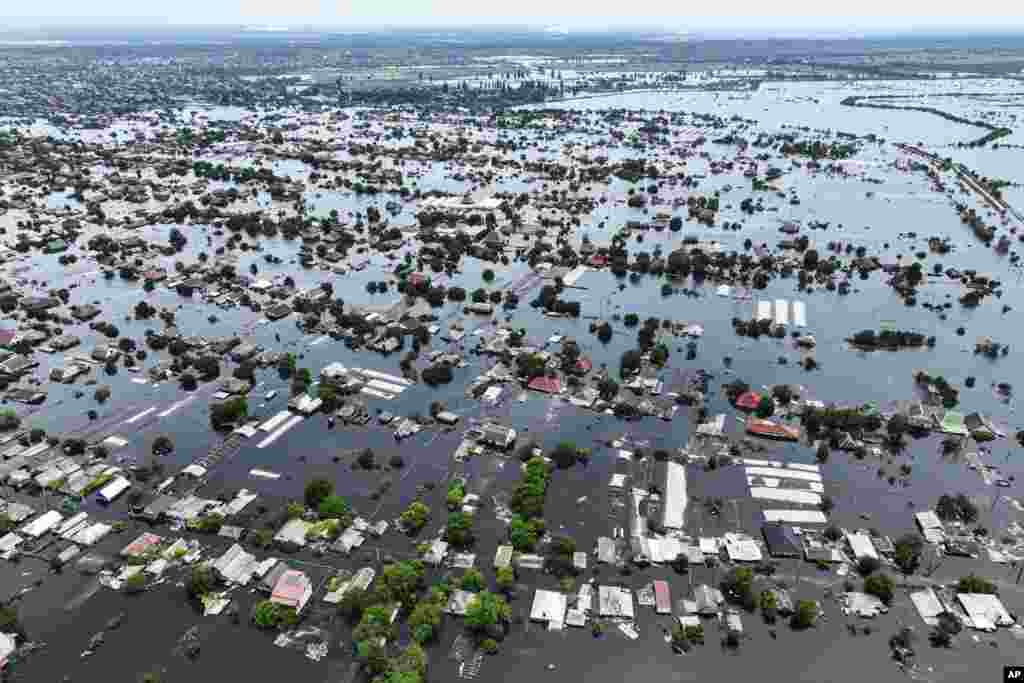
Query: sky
column 672, row 15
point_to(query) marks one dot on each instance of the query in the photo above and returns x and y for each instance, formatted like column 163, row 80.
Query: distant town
column 381, row 357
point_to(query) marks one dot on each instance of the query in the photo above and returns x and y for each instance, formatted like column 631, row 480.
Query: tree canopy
column 485, row 610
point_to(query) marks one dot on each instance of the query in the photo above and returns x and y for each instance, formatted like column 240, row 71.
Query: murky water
column 859, row 211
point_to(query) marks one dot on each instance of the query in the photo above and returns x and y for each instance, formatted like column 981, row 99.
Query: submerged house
column 293, row 589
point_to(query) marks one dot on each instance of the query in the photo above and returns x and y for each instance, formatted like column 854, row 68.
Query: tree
column 372, row 655
column 907, row 553
column 827, row 504
column 523, row 533
column 316, row 491
column 948, row 626
column 976, row 584
column 738, row 585
column 162, row 445
column 412, row 660
column 472, row 581
column 459, row 530
column 228, row 412
column 415, row 517
column 630, row 362
column 488, row 275
column 266, row 614
column 868, row 565
column 207, row 367
column 136, row 583
column 765, row 407
column 881, row 586
column 804, row 615
column 505, row 577
column 485, row 610
column 402, row 580
column 897, row 425
column 956, row 508
column 9, row 420
column 334, row 507
column 200, row 582
column 425, row 619
column 367, row 459
column 608, row 389
column 564, row 454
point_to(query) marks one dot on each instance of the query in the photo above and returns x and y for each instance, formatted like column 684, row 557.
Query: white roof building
column 42, row 524
column 741, row 548
column 549, row 606
column 984, row 612
column 112, row 490
column 613, row 601
column 674, row 502
column 861, row 545
column 236, row 565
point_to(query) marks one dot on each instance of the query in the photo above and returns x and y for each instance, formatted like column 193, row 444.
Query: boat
column 269, row 395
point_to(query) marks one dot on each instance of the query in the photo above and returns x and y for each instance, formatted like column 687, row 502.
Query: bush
column 489, row 646
column 316, row 491
column 488, row 275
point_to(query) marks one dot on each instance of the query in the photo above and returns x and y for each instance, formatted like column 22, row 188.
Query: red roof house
column 293, row 590
column 748, row 401
column 662, row 600
column 547, row 385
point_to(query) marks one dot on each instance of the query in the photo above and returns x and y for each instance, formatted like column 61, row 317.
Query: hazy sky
column 671, row 14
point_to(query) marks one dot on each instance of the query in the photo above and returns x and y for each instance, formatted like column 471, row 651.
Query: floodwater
column 859, row 212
